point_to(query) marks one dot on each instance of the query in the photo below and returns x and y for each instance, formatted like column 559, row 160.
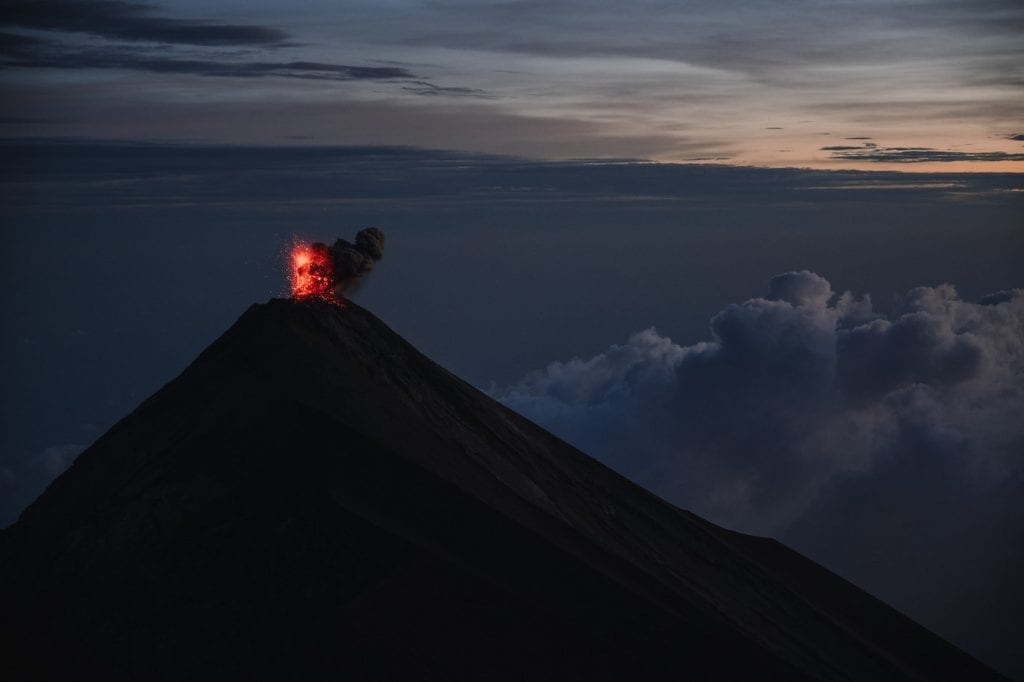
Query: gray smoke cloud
column 341, row 266
column 888, row 447
column 354, row 261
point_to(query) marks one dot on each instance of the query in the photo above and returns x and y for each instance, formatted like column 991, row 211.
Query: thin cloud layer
column 132, row 21
column 29, row 52
column 102, row 35
column 874, row 153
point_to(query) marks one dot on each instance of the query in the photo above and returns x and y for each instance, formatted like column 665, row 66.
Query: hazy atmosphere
column 761, row 258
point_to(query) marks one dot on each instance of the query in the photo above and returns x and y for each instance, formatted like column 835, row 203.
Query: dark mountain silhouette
column 313, row 497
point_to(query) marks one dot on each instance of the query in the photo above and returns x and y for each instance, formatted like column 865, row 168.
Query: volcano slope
column 314, row 497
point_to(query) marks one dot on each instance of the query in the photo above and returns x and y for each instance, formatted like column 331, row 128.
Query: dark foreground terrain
column 313, row 497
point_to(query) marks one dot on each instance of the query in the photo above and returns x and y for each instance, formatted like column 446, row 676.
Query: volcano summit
column 314, row 497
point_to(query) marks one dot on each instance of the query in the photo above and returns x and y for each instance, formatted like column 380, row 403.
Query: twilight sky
column 923, row 84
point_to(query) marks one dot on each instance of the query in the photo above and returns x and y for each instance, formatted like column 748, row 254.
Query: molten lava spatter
column 324, row 272
column 312, row 274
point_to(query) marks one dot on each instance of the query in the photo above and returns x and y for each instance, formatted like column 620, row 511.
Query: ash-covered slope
column 312, row 496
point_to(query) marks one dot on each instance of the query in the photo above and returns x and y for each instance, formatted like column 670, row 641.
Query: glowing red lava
column 312, row 274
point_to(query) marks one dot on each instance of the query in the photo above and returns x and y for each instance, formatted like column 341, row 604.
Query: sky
column 590, row 216
column 930, row 85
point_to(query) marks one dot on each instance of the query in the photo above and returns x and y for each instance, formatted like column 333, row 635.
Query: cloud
column 1017, row 138
column 786, row 375
column 878, row 444
column 421, row 87
column 88, row 170
column 871, row 152
column 123, row 25
column 31, row 52
column 769, row 44
column 131, row 21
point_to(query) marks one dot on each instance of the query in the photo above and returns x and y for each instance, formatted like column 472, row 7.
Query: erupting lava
column 324, row 272
column 312, row 274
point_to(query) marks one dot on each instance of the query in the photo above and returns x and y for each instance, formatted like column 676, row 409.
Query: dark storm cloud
column 131, row 21
column 1018, row 138
column 870, row 152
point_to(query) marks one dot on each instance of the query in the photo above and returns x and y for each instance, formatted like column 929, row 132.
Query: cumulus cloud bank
column 888, row 447
column 794, row 391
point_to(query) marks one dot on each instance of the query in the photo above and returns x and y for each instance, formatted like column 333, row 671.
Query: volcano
column 314, row 497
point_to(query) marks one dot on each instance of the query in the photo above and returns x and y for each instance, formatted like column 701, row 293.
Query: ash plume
column 351, row 261
column 325, row 272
